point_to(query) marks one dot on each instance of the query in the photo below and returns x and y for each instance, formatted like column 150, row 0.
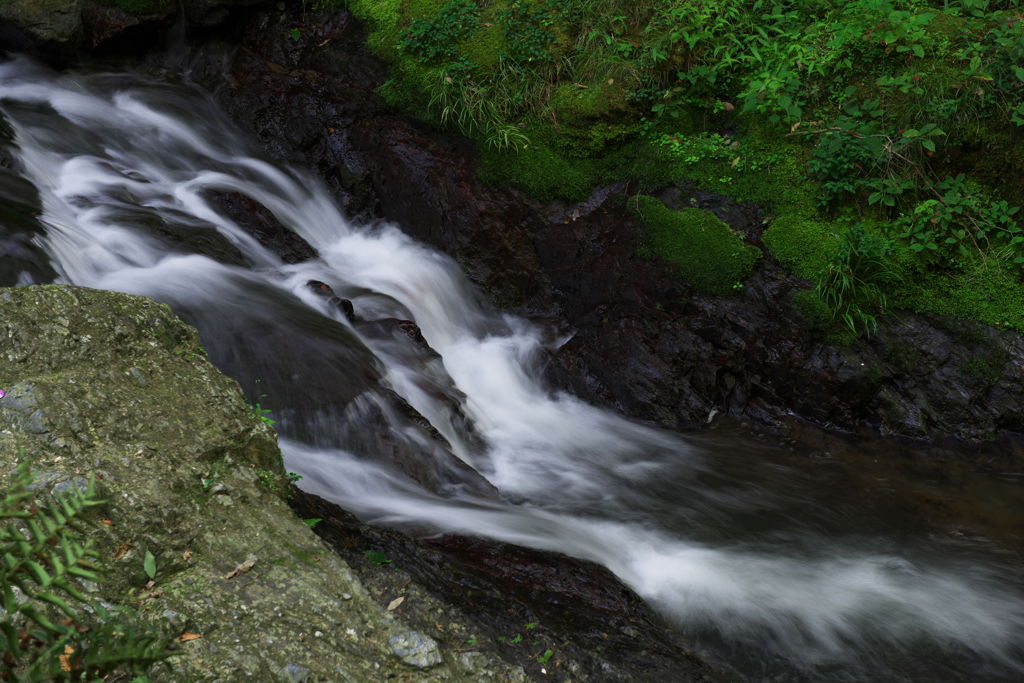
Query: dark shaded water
column 786, row 563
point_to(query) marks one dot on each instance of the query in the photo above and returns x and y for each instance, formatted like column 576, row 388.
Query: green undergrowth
column 885, row 138
column 702, row 249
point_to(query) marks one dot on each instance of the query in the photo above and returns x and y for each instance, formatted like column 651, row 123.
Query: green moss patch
column 987, row 290
column 803, row 246
column 539, row 171
column 702, row 249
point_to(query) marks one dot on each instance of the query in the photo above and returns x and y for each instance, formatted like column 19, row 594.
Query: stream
column 786, row 569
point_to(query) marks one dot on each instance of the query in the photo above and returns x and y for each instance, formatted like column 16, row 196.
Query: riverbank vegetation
column 883, row 136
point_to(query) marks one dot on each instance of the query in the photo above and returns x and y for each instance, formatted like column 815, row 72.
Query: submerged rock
column 115, row 386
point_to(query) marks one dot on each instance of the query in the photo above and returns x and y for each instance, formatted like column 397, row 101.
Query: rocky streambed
column 638, row 340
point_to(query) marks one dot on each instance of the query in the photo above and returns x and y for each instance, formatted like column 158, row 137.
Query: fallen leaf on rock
column 393, row 605
column 65, row 659
column 185, row 637
column 122, row 550
column 242, row 568
column 107, row 522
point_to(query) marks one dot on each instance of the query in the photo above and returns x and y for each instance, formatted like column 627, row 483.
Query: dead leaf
column 728, row 106
column 107, row 522
column 242, row 568
column 185, row 637
column 150, row 584
column 122, row 550
column 65, row 659
column 187, row 555
column 393, row 605
column 734, row 162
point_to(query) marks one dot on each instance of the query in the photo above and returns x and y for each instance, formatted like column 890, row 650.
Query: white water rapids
column 121, row 164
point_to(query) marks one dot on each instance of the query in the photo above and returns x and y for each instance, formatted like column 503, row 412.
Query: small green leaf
column 312, row 521
column 377, row 557
column 543, row 659
column 149, row 564
column 295, row 34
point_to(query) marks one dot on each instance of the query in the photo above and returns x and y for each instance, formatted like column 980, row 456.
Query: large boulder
column 71, row 23
column 57, row 21
column 116, row 387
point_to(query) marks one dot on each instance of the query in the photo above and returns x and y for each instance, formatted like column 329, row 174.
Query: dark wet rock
column 22, row 261
column 102, row 23
column 488, row 593
column 343, row 305
column 394, row 334
column 61, row 29
column 258, row 221
column 641, row 340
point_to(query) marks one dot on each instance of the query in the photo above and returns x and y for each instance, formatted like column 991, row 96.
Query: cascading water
column 727, row 542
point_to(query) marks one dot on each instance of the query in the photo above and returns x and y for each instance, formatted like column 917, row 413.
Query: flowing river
column 768, row 564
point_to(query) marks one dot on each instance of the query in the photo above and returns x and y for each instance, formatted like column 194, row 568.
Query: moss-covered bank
column 899, row 118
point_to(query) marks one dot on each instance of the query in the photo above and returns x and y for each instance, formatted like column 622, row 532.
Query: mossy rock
column 485, row 47
column 117, row 387
column 578, row 106
column 58, row 21
column 703, row 250
column 987, row 290
column 804, row 246
column 384, row 19
column 538, row 171
column 423, row 9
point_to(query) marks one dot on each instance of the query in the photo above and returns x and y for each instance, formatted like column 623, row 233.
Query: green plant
column 959, row 217
column 273, row 481
column 263, row 414
column 149, row 565
column 49, row 628
column 852, row 286
column 437, row 37
column 376, row 557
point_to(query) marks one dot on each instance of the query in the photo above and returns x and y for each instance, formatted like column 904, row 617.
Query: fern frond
column 42, row 552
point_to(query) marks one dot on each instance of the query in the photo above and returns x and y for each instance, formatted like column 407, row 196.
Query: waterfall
column 132, row 175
